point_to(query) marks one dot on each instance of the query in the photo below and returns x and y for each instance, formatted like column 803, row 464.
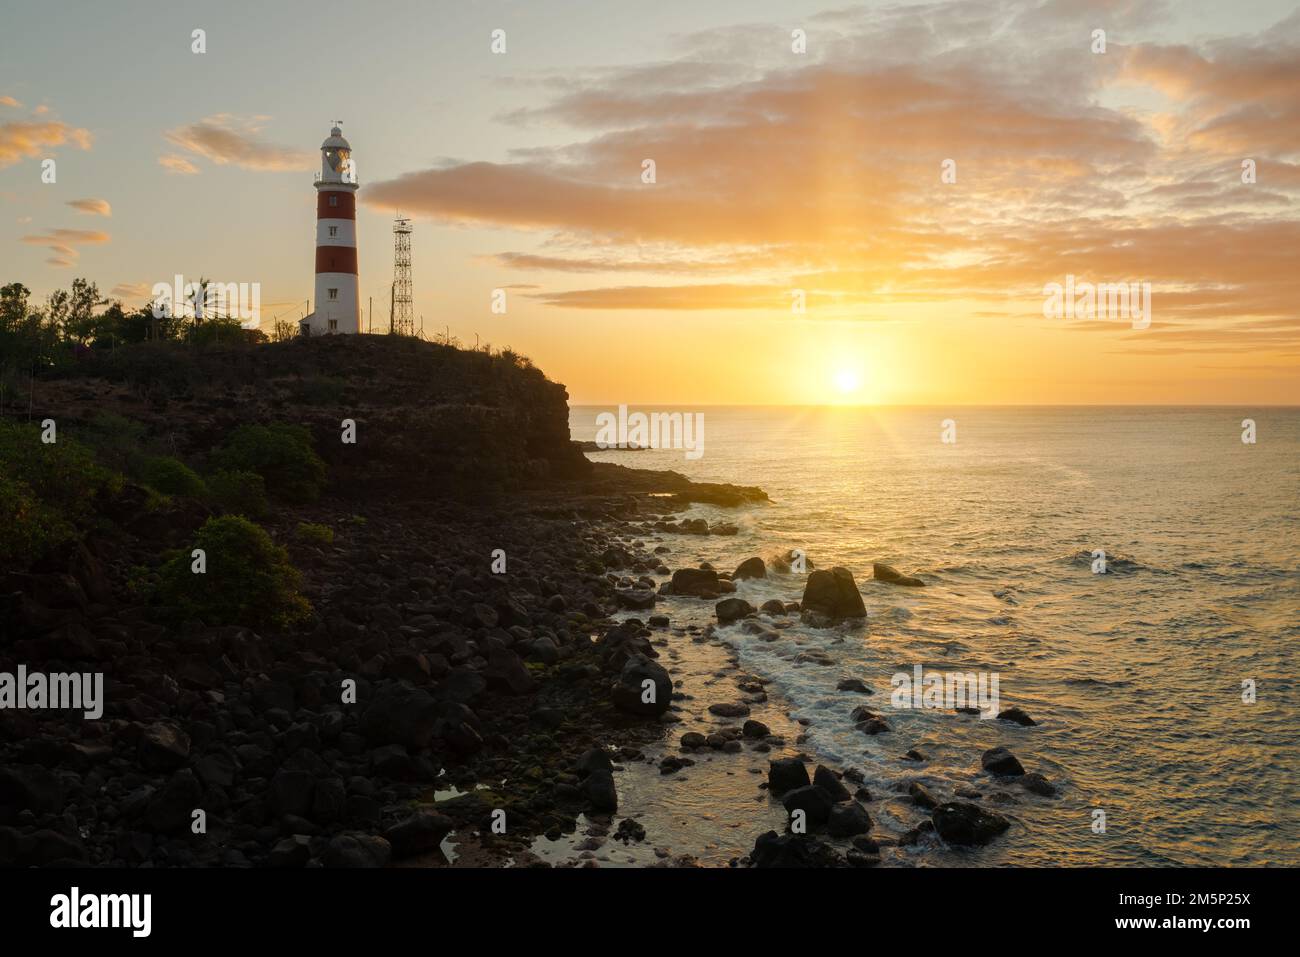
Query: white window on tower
column 334, row 230
column 334, row 200
column 334, row 325
column 334, row 293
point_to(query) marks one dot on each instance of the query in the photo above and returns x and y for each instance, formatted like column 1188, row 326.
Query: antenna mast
column 402, row 322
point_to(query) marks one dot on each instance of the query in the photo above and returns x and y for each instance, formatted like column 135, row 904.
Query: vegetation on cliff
column 247, row 579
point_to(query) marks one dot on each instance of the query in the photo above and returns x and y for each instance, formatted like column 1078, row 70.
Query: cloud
column 175, row 163
column 10, row 101
column 823, row 173
column 22, row 140
column 225, row 139
column 95, row 207
column 63, row 242
column 131, row 291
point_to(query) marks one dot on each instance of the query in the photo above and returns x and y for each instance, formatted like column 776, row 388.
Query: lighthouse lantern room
column 337, row 306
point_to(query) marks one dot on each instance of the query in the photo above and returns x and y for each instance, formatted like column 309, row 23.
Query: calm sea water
column 1135, row 676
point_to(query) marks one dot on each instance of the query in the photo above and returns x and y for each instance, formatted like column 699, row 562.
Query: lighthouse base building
column 336, row 307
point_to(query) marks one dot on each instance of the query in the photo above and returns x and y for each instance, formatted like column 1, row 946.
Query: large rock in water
column 630, row 692
column 700, row 582
column 888, row 573
column 792, row 850
column 832, row 596
column 848, row 820
column 599, row 789
column 732, row 609
column 750, row 568
column 1001, row 762
column 961, row 823
column 813, row 801
column 786, row 774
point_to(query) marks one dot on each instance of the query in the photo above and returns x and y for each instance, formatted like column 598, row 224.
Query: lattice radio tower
column 401, row 320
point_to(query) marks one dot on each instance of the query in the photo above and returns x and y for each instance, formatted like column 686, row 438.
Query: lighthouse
column 337, row 306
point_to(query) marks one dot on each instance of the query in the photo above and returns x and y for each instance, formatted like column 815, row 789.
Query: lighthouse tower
column 337, row 306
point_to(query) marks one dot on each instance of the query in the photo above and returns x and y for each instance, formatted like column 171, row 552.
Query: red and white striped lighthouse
column 338, row 296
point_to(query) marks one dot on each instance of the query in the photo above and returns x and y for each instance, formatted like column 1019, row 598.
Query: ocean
column 1139, row 677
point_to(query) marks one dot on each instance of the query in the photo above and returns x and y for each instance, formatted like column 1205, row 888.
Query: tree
column 80, row 320
column 13, row 307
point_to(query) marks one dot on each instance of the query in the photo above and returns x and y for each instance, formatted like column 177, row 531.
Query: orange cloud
column 95, row 207
column 63, row 242
column 175, row 163
column 22, row 140
column 825, row 176
column 224, row 139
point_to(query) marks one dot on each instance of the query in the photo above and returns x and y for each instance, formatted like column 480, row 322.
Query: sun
column 847, row 381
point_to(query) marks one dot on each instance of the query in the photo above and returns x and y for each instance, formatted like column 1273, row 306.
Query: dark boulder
column 400, row 715
column 293, row 851
column 164, row 747
column 422, row 831
column 171, row 809
column 729, row 709
column 732, row 609
column 792, row 850
column 892, row 576
column 357, row 850
column 28, row 787
column 1035, row 783
column 786, row 774
column 828, row 781
column 1001, row 762
column 291, row 792
column 750, row 568
column 968, row 824
column 831, row 596
column 643, row 687
column 599, row 789
column 921, row 796
column 506, row 672
column 1018, row 716
column 635, row 599
column 848, row 820
column 700, row 582
column 812, row 800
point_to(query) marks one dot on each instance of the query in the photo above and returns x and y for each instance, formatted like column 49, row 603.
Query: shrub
column 28, row 528
column 248, row 578
column 48, row 493
column 113, row 438
column 281, row 454
column 162, row 473
column 311, row 533
column 239, row 493
column 318, row 390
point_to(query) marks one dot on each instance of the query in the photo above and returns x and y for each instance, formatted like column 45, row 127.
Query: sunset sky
column 776, row 171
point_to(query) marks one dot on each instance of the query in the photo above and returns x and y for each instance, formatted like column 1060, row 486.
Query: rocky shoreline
column 490, row 679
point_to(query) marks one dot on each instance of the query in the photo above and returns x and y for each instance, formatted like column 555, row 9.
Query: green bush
column 281, row 454
column 311, row 533
column 162, row 473
column 113, row 438
column 318, row 390
column 239, row 493
column 248, row 578
column 29, row 529
column 48, row 493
